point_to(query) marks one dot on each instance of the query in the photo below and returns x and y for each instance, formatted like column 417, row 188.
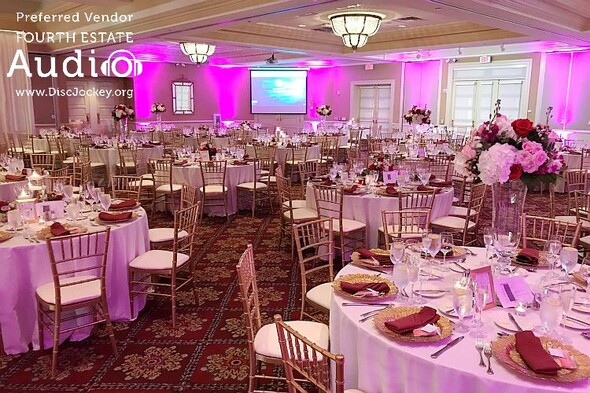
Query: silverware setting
column 370, row 314
column 487, row 350
column 346, row 304
column 479, row 345
column 577, row 320
column 468, row 251
column 513, row 320
column 446, row 347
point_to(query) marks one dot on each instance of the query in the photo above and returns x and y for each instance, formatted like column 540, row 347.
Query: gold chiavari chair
column 442, row 171
column 26, row 145
column 329, row 204
column 81, row 173
column 468, row 225
column 42, row 161
column 161, row 238
column 55, row 147
column 315, row 249
column 78, row 266
column 164, row 189
column 290, row 214
column 256, row 190
column 295, row 156
column 404, row 224
column 168, row 264
column 267, row 155
column 585, row 161
column 126, row 187
column 214, row 191
column 263, row 342
column 579, row 211
column 310, row 360
column 127, row 160
column 54, row 183
column 575, row 180
column 536, row 231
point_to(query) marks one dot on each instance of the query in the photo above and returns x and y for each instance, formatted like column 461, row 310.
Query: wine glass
column 567, row 296
column 505, row 243
column 488, row 239
column 396, row 251
column 435, row 245
column 551, row 312
column 446, row 240
column 462, row 304
column 68, row 191
column 400, row 278
column 569, row 260
column 413, row 273
column 481, row 291
column 424, row 177
column 105, row 201
column 426, row 240
column 13, row 218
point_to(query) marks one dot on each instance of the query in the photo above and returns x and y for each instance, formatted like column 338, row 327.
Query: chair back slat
column 185, row 220
column 126, row 187
column 536, row 231
column 249, row 293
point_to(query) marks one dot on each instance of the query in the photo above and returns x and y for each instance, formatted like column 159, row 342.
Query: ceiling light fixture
column 356, row 27
column 198, row 53
column 402, row 26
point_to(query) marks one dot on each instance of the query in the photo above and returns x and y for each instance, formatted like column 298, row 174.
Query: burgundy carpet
column 207, row 352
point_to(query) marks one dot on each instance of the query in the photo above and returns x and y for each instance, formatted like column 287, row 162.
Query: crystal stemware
column 446, row 240
column 551, row 312
column 462, row 304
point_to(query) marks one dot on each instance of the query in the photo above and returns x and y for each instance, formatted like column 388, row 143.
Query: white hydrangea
column 494, row 164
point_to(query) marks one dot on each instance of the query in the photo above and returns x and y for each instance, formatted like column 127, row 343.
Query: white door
column 374, row 106
column 94, row 110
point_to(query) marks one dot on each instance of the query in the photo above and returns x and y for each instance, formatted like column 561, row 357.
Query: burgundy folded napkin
column 54, row 197
column 57, row 229
column 181, row 163
column 327, row 182
column 368, row 254
column 246, row 156
column 425, row 188
column 114, row 217
column 425, row 316
column 15, row 177
column 528, row 256
column 147, row 145
column 349, row 191
column 440, row 183
column 390, row 190
column 432, row 177
column 353, row 288
column 534, row 355
column 126, row 204
column 238, row 162
column 155, row 142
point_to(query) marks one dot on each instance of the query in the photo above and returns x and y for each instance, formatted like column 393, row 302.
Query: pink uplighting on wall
column 319, row 89
column 144, row 91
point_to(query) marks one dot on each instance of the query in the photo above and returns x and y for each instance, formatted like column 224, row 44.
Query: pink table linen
column 7, row 189
column 376, row 363
column 24, row 266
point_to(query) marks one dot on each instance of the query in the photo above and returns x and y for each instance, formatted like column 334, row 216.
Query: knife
column 514, row 322
column 577, row 320
column 449, row 345
column 364, row 304
column 461, row 267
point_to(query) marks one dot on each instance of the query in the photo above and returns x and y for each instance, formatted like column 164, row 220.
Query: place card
column 484, row 276
column 512, row 290
column 390, row 176
column 55, row 207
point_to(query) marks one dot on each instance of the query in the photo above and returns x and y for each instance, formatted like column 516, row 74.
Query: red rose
column 372, row 167
column 515, row 172
column 522, row 127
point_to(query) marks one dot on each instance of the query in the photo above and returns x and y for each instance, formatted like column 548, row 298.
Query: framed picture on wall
column 182, row 97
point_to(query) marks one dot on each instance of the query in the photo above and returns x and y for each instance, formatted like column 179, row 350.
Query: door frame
column 354, row 97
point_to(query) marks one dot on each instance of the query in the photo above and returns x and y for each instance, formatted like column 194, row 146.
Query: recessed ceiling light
column 354, row 5
column 402, row 26
column 302, row 25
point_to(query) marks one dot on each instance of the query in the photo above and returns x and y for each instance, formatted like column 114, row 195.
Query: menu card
column 511, row 290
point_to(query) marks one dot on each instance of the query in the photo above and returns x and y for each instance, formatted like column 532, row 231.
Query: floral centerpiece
column 158, row 107
column 6, row 206
column 323, row 110
column 418, row 115
column 65, row 129
column 380, row 164
column 206, row 146
column 500, row 150
column 122, row 111
column 246, row 126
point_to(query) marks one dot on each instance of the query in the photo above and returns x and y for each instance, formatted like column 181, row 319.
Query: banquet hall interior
column 295, row 195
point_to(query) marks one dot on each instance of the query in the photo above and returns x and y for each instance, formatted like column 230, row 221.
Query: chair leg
column 194, row 278
column 173, row 300
column 131, row 295
column 111, row 333
column 56, row 326
column 40, row 327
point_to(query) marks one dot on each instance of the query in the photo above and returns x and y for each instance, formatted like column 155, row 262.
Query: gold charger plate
column 134, row 215
column 356, row 259
column 393, row 313
column 542, row 261
column 580, row 277
column 74, row 229
column 137, row 206
column 504, row 350
column 360, row 277
column 458, row 252
column 381, row 191
column 5, row 236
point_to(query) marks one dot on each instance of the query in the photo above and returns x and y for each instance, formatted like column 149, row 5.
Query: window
column 182, row 98
column 475, row 89
column 374, row 103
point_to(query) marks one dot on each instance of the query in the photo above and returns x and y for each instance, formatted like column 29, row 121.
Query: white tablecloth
column 24, row 266
column 7, row 189
column 377, row 364
column 313, row 153
column 235, row 174
column 367, row 209
column 110, row 156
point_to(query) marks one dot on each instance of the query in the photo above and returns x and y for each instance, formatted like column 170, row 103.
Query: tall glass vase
column 159, row 120
column 124, row 125
column 507, row 209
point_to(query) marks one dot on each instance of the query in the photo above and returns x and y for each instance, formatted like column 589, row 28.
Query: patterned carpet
column 207, row 352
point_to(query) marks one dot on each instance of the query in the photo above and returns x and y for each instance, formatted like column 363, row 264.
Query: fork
column 479, row 346
column 487, row 350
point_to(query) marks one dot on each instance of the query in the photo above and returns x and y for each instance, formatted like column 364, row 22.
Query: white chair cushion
column 459, row 211
column 585, row 240
column 264, row 172
column 266, row 341
column 97, row 165
column 302, row 214
column 250, row 185
column 353, row 391
column 321, row 295
column 73, row 293
column 144, row 183
column 271, row 179
column 214, row 189
column 410, row 231
column 157, row 260
column 452, row 222
column 128, row 164
column 164, row 234
column 574, row 220
column 296, row 204
column 348, row 225
column 69, row 160
column 165, row 188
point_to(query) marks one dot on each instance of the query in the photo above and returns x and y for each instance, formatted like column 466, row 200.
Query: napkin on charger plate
column 528, row 256
column 114, row 217
column 391, row 190
column 351, row 190
column 368, row 254
column 426, row 315
column 57, row 229
column 531, row 351
column 126, row 204
column 364, row 289
column 15, row 177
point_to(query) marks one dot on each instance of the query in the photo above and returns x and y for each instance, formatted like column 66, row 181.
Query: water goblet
column 567, row 296
column 462, row 304
column 13, row 218
column 551, row 312
column 424, row 177
column 400, row 278
column 446, row 240
column 396, row 251
column 488, row 239
column 569, row 260
column 481, row 291
column 105, row 201
column 434, row 245
column 413, row 273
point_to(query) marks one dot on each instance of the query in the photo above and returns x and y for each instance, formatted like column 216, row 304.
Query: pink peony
column 468, row 151
column 503, row 123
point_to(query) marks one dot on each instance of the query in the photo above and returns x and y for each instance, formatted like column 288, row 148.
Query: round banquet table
column 110, row 156
column 24, row 266
column 313, row 153
column 220, row 141
column 367, row 208
column 375, row 363
column 7, row 189
column 235, row 174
